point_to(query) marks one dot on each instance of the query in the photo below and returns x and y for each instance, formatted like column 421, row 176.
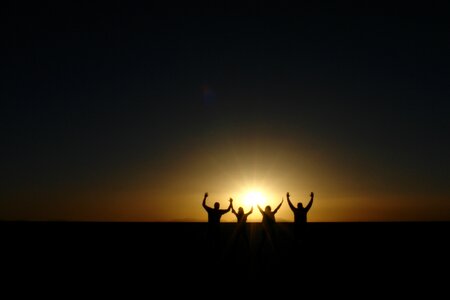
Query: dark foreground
column 373, row 255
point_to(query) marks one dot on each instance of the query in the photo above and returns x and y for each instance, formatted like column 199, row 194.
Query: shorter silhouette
column 240, row 232
column 300, row 216
column 269, row 225
column 214, row 215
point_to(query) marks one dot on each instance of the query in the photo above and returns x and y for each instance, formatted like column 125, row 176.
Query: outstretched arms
column 310, row 202
column 278, row 207
column 289, row 201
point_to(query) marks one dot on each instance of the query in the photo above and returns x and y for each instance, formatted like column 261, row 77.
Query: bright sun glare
column 253, row 198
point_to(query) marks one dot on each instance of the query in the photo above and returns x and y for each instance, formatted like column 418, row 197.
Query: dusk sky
column 111, row 114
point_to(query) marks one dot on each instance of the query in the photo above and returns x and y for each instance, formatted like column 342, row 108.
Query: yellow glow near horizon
column 253, row 198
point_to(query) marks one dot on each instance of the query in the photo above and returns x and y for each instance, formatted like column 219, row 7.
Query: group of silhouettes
column 268, row 220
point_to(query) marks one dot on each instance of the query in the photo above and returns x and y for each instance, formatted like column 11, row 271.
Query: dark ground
column 405, row 257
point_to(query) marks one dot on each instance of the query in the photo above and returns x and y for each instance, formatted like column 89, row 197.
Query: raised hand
column 206, row 195
column 312, row 194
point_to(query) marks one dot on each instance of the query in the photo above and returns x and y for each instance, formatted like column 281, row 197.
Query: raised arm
column 260, row 209
column 224, row 211
column 310, row 202
column 278, row 207
column 231, row 205
column 232, row 208
column 289, row 202
column 251, row 210
column 204, row 202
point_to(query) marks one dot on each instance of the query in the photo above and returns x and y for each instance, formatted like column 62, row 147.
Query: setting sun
column 253, row 198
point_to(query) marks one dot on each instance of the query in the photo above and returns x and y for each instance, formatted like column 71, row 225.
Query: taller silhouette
column 300, row 216
column 214, row 215
column 241, row 228
column 269, row 225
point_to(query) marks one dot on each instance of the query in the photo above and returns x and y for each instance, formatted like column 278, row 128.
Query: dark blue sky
column 94, row 97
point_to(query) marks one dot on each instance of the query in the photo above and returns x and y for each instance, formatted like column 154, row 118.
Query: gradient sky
column 110, row 114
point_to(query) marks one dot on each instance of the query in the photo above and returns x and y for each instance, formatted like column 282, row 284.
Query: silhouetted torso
column 300, row 215
column 268, row 219
column 269, row 225
column 214, row 215
column 241, row 217
column 241, row 228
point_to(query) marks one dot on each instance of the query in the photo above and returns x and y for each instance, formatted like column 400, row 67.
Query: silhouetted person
column 300, row 216
column 269, row 225
column 241, row 228
column 214, row 215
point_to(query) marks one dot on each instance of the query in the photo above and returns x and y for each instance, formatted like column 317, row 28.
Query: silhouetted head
column 240, row 210
column 268, row 209
column 299, row 205
column 216, row 205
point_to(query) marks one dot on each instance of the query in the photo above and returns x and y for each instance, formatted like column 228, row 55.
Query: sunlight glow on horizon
column 254, row 198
